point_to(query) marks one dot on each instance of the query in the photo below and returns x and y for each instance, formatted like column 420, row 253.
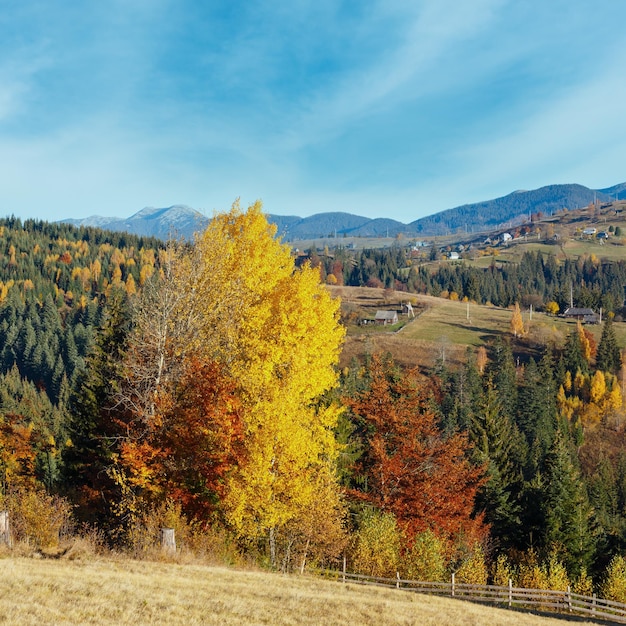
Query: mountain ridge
column 180, row 220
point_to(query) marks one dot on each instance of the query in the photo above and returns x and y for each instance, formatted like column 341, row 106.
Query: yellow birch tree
column 275, row 329
column 517, row 324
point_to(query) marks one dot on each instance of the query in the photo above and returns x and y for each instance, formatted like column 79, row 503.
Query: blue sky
column 385, row 109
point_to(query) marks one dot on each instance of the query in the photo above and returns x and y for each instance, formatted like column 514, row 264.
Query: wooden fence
column 509, row 596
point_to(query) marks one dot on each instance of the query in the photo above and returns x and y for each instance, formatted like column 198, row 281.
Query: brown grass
column 139, row 592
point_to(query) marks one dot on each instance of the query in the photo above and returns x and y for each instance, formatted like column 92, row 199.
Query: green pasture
column 474, row 325
column 614, row 250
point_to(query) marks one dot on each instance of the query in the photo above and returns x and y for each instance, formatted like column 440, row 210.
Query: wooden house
column 589, row 316
column 386, row 317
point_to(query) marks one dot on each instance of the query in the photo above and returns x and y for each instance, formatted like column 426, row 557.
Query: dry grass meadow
column 109, row 591
column 445, row 329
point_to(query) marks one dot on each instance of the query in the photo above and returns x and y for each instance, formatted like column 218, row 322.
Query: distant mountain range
column 182, row 221
column 175, row 221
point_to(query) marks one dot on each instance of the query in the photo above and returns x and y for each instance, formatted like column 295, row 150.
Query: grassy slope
column 442, row 328
column 132, row 592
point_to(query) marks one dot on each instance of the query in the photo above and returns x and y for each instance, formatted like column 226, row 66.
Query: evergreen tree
column 94, row 431
column 608, row 356
column 569, row 522
column 462, row 395
column 499, row 446
column 604, row 495
column 573, row 355
column 537, row 415
column 501, row 370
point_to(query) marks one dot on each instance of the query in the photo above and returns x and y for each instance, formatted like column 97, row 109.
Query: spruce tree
column 537, row 414
column 608, row 356
column 502, row 371
column 573, row 354
column 500, row 447
column 568, row 517
column 93, row 429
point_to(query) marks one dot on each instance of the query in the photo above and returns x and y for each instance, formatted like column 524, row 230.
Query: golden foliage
column 502, row 571
column 473, row 570
column 517, row 324
column 532, row 576
column 598, row 387
column 37, row 518
column 481, row 359
column 274, row 329
column 131, row 288
column 552, row 308
column 556, row 574
column 425, row 560
column 614, row 585
column 377, row 545
column 583, row 584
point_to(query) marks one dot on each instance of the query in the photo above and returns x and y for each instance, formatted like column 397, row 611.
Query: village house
column 588, row 316
column 386, row 317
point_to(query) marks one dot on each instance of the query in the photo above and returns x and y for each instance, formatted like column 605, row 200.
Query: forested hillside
column 537, row 279
column 482, row 216
column 198, row 387
column 55, row 281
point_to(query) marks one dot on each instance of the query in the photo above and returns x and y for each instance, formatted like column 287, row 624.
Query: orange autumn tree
column 19, row 444
column 186, row 451
column 410, row 468
column 517, row 324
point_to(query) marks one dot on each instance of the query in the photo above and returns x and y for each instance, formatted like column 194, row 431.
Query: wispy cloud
column 563, row 141
column 310, row 105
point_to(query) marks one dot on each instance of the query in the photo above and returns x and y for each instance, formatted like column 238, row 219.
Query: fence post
column 344, row 569
column 510, row 593
column 568, row 597
column 168, row 540
column 453, row 583
column 5, row 528
column 397, row 580
column 593, row 604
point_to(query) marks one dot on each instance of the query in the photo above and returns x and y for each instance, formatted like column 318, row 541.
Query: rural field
column 109, row 591
column 444, row 329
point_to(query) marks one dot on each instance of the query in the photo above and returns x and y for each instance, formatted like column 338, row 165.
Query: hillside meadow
column 443, row 329
column 109, row 591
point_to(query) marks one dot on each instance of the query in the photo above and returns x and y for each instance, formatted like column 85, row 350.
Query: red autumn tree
column 191, row 443
column 410, row 468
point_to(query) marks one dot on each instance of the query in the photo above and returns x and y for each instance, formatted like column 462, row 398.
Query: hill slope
column 516, row 207
column 175, row 221
column 142, row 592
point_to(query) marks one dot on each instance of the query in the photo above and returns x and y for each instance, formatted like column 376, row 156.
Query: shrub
column 377, row 545
column 530, row 574
column 425, row 559
column 193, row 540
column 583, row 584
column 556, row 574
column 614, row 585
column 39, row 519
column 502, row 571
column 473, row 570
